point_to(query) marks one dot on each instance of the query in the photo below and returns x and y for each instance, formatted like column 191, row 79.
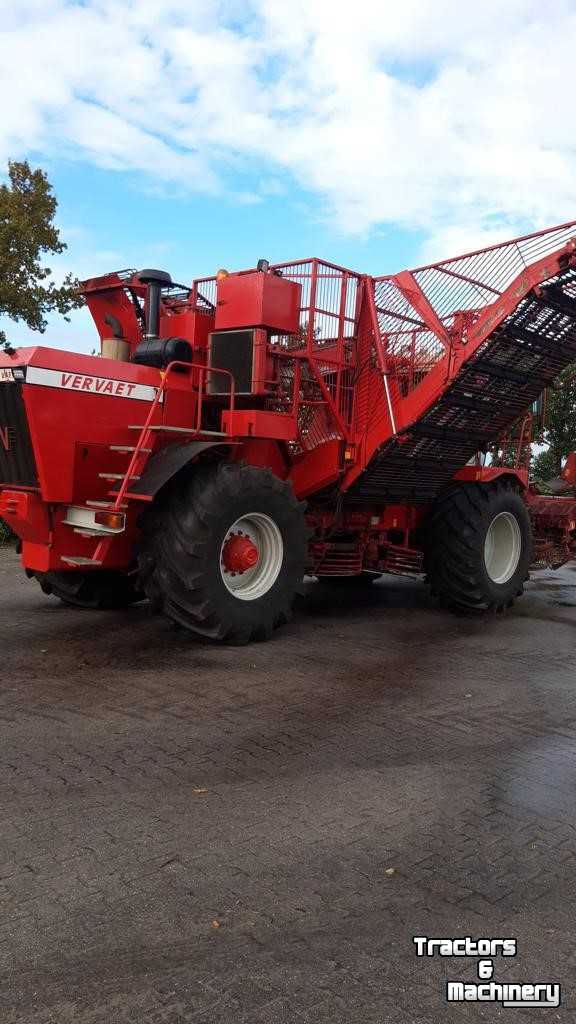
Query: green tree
column 27, row 233
column 544, row 466
column 560, row 431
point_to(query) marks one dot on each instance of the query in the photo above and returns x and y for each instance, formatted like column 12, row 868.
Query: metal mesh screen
column 465, row 284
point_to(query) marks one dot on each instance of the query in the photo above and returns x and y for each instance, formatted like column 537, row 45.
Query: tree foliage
column 27, row 233
column 544, row 466
column 560, row 432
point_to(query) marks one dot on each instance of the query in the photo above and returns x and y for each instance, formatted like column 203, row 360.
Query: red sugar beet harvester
column 303, row 418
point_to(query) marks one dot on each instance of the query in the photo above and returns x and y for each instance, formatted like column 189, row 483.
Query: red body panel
column 259, row 423
column 257, row 300
column 485, row 474
column 77, row 406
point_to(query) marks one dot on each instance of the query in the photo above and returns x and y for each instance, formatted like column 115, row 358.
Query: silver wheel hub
column 251, row 556
column 503, row 547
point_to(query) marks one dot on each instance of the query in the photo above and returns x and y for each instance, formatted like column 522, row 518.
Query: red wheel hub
column 239, row 553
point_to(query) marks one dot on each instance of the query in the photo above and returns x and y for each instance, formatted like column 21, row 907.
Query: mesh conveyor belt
column 492, row 390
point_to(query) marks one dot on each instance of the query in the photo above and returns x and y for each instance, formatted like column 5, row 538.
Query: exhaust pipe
column 156, row 281
column 154, row 350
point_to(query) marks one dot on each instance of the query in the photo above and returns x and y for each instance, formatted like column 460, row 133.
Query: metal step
column 116, row 476
column 77, row 560
column 130, row 449
column 108, row 505
column 181, row 430
column 341, row 559
column 137, row 497
column 160, row 429
column 131, row 496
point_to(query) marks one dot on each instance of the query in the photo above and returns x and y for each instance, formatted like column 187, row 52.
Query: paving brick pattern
column 200, row 834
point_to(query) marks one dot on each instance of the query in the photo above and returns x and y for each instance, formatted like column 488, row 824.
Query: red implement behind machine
column 303, row 418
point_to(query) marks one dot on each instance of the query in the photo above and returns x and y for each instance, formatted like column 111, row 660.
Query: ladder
column 140, row 453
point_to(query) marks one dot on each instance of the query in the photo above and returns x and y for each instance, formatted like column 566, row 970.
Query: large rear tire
column 479, row 547
column 96, row 589
column 224, row 552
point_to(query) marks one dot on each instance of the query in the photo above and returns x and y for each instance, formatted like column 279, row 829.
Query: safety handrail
column 144, row 435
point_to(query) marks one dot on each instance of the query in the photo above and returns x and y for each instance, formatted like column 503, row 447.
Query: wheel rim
column 251, row 556
column 502, row 547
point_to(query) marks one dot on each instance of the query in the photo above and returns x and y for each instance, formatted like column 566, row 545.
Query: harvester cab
column 235, row 434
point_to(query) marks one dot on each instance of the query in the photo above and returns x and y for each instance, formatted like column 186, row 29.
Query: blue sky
column 191, row 135
column 196, row 234
column 110, row 221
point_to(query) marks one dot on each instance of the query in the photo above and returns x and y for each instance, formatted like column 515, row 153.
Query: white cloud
column 449, row 119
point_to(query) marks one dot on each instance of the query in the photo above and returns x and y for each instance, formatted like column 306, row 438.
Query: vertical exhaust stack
column 156, row 281
column 116, row 347
column 154, row 350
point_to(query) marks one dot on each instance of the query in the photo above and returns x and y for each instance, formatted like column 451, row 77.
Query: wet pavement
column 193, row 833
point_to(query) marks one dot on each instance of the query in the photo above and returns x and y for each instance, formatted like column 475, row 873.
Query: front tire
column 479, row 547
column 224, row 551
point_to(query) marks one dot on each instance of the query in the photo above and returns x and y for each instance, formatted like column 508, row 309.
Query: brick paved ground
column 152, row 788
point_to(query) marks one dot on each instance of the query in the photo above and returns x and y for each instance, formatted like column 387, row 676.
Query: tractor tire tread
column 177, row 553
column 454, row 555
